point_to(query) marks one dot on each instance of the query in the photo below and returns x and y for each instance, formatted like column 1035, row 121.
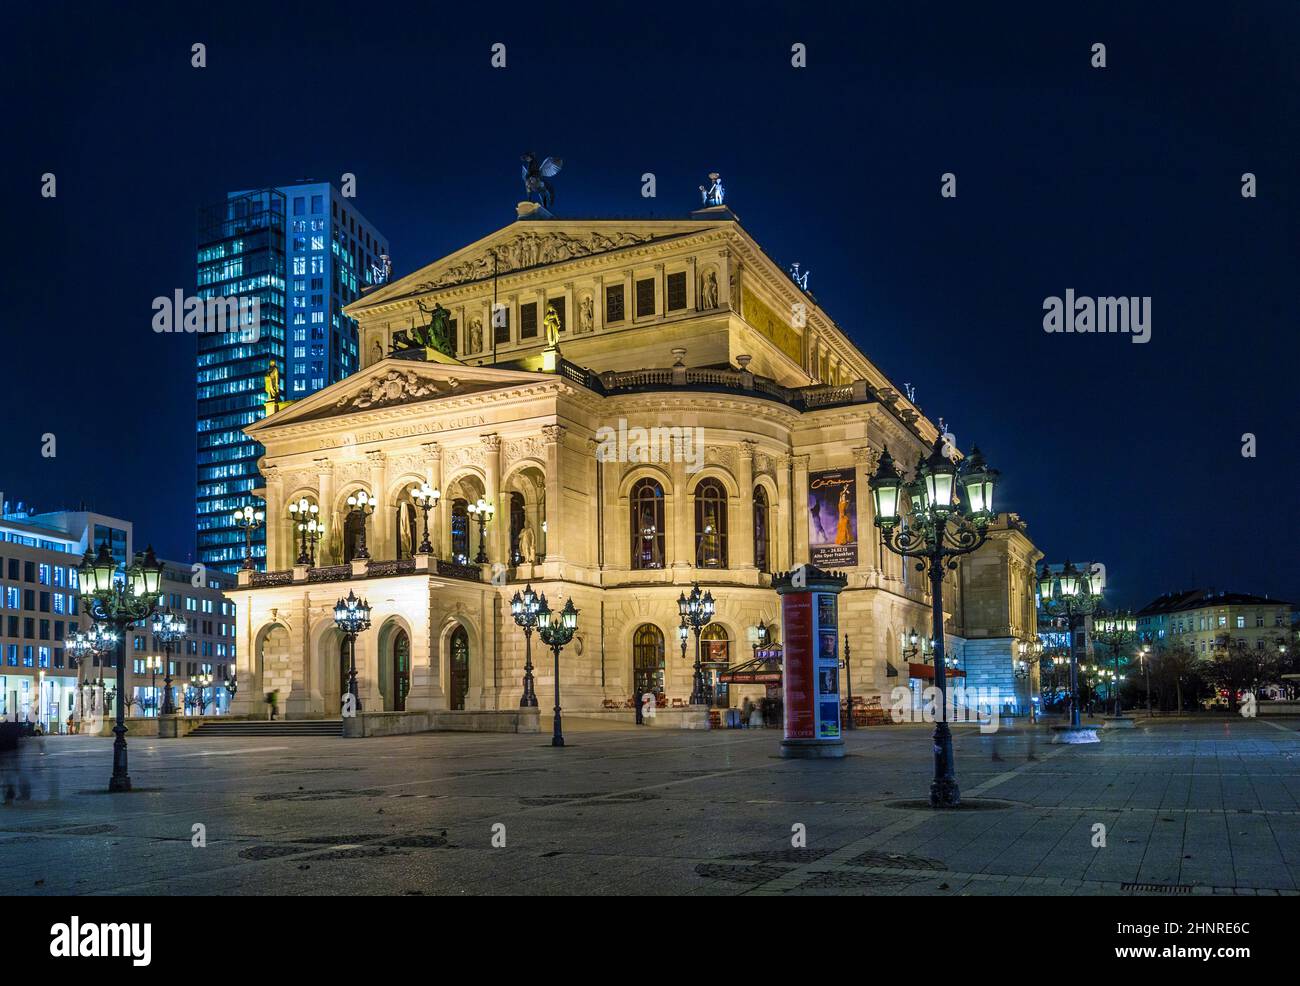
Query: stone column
column 431, row 454
column 325, row 500
column 799, row 508
column 501, row 505
column 276, row 555
column 681, row 545
column 297, row 704
column 784, row 516
column 380, row 541
column 742, row 524
column 553, row 435
column 864, row 460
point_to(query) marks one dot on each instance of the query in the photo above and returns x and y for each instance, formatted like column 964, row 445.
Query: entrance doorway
column 401, row 669
column 458, row 678
column 647, row 661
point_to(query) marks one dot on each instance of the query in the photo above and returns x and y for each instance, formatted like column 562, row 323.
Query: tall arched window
column 646, row 514
column 710, row 525
column 647, row 660
column 761, row 537
column 458, row 668
column 518, row 518
column 460, row 530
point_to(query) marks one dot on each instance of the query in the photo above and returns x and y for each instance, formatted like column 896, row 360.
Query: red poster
column 798, row 665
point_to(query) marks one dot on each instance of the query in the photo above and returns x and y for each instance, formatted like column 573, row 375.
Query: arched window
column 460, row 530
column 715, row 646
column 647, row 660
column 710, row 525
column 646, row 507
column 761, row 538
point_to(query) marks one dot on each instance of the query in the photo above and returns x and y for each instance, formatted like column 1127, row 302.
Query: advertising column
column 810, row 669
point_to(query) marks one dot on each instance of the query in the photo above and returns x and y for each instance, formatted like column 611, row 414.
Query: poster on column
column 833, row 518
column 798, row 666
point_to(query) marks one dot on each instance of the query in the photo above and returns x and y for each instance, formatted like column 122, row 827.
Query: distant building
column 41, row 612
column 1205, row 620
column 994, row 610
column 304, row 252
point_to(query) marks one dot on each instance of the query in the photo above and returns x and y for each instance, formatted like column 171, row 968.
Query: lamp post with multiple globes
column 1116, row 629
column 1071, row 595
column 97, row 642
column 249, row 519
column 939, row 527
column 306, row 516
column 482, row 511
column 120, row 603
column 352, row 616
column 360, row 506
column 170, row 629
column 524, row 608
column 696, row 611
column 556, row 630
column 426, row 497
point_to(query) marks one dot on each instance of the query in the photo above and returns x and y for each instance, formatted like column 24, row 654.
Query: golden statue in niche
column 552, row 323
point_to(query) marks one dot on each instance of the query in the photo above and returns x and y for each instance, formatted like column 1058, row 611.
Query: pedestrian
column 746, row 710
column 636, row 703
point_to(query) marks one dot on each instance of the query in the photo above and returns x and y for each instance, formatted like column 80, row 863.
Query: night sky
column 1117, row 181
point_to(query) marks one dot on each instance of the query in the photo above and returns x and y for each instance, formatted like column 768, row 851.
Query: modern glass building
column 303, row 251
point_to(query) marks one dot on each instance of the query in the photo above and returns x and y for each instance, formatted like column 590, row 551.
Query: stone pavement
column 1199, row 806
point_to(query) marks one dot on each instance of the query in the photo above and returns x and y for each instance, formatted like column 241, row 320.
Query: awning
column 760, row 671
column 927, row 671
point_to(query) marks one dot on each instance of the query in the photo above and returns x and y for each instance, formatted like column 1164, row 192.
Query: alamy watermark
column 1083, row 314
column 240, row 313
column 978, row 705
column 658, row 444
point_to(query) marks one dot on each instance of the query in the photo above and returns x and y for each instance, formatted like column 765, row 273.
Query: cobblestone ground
column 1196, row 806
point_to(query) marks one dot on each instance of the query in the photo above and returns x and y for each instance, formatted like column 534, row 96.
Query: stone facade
column 744, row 388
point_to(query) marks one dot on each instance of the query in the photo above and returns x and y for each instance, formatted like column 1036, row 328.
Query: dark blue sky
column 1121, row 181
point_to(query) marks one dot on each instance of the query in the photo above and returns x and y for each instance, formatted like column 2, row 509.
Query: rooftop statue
column 536, row 175
column 435, row 335
column 713, row 193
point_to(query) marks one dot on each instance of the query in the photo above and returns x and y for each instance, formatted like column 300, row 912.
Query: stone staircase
column 272, row 728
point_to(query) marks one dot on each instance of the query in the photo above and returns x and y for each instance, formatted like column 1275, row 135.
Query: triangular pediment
column 395, row 383
column 526, row 245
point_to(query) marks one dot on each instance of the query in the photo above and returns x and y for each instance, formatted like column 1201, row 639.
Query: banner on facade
column 833, row 518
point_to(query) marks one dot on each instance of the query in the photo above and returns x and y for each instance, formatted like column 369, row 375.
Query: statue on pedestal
column 536, row 174
column 272, row 380
column 552, row 323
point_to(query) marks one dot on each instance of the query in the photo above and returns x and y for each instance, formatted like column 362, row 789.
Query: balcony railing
column 371, row 570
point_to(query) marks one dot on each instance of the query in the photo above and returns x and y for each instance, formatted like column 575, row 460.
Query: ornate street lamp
column 304, row 514
column 524, row 607
column 696, row 611
column 152, row 664
column 1071, row 595
column 361, row 505
column 941, row 527
column 97, row 642
column 120, row 603
column 249, row 519
column 482, row 512
column 426, row 497
column 199, row 682
column 170, row 629
column 352, row 616
column 1115, row 629
column 556, row 630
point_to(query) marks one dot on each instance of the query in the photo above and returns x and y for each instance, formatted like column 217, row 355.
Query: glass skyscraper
column 303, row 251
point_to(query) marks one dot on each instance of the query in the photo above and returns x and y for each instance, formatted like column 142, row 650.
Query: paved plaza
column 1210, row 805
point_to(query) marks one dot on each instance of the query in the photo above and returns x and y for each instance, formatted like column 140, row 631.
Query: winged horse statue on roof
column 536, row 175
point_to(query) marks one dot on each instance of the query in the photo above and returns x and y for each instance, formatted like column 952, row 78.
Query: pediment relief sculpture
column 395, row 387
column 532, row 250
